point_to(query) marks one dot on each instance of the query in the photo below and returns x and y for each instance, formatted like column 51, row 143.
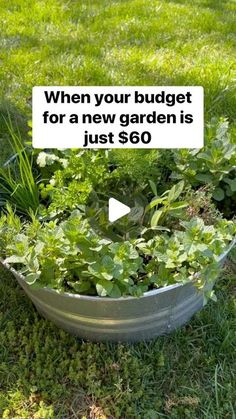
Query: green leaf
column 154, row 203
column 32, row 278
column 39, row 248
column 175, row 192
column 15, row 259
column 161, row 257
column 115, row 292
column 210, row 295
column 178, row 205
column 161, row 360
column 204, row 177
column 154, row 228
column 153, row 187
column 108, row 276
column 218, row 194
column 231, row 183
column 104, row 287
column 205, row 156
column 156, row 217
column 107, row 262
column 80, row 286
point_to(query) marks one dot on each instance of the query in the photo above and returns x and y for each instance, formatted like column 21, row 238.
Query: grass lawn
column 105, row 42
column 117, row 42
column 45, row 373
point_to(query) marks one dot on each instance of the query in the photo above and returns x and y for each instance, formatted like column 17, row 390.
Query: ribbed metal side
column 125, row 319
column 118, row 319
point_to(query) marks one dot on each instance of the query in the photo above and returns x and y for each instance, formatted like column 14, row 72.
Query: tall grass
column 18, row 186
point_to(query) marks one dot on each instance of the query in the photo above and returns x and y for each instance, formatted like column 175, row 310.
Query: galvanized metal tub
column 118, row 319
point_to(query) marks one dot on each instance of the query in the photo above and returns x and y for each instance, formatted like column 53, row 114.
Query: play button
column 117, row 210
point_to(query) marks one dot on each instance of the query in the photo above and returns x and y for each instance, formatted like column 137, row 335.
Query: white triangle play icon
column 117, row 210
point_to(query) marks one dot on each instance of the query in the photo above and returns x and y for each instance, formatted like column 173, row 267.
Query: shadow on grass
column 170, row 375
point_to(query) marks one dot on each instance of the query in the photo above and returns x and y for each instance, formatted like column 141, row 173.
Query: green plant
column 88, row 178
column 17, row 181
column 214, row 165
column 166, row 203
column 78, row 175
column 137, row 166
column 200, row 204
column 190, row 253
column 70, row 255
